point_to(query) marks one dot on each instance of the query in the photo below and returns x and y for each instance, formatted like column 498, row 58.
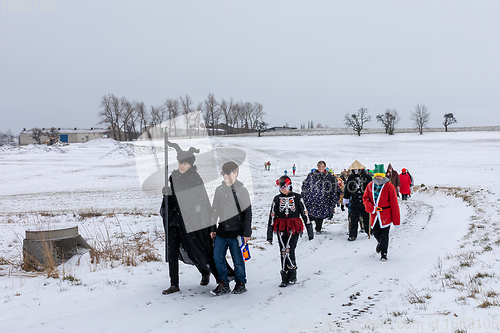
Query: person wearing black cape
column 189, row 212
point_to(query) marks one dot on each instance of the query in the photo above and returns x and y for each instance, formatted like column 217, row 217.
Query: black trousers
column 354, row 215
column 174, row 243
column 318, row 221
column 404, row 196
column 288, row 243
column 382, row 237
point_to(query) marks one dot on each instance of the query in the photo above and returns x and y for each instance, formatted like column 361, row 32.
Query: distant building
column 226, row 129
column 67, row 135
column 278, row 128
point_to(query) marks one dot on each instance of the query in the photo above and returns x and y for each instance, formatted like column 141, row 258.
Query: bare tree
column 256, row 114
column 127, row 118
column 186, row 105
column 10, row 136
column 421, row 117
column 142, row 114
column 233, row 110
column 135, row 119
column 210, row 111
column 107, row 115
column 389, row 119
column 172, row 106
column 197, row 118
column 261, row 126
column 52, row 133
column 448, row 120
column 156, row 115
column 36, row 134
column 357, row 120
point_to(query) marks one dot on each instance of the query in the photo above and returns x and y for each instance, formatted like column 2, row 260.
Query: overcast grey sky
column 303, row 60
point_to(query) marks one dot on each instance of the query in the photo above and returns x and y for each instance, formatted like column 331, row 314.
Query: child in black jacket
column 285, row 220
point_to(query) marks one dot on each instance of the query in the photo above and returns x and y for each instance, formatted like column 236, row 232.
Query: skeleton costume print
column 287, row 218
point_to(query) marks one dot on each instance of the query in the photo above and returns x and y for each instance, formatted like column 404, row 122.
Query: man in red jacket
column 380, row 200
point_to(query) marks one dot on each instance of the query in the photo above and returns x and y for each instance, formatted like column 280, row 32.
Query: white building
column 67, row 135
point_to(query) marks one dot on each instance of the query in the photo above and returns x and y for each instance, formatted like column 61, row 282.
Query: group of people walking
column 200, row 233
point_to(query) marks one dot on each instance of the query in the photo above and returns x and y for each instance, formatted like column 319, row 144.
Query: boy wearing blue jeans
column 233, row 210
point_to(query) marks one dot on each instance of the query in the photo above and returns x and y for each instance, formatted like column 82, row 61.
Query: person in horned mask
column 189, row 214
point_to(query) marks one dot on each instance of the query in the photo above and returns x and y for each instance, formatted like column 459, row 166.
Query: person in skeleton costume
column 353, row 197
column 285, row 220
column 380, row 200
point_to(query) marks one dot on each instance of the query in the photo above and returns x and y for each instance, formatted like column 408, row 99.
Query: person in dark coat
column 189, row 221
column 353, row 197
column 285, row 220
column 233, row 210
column 393, row 177
column 320, row 191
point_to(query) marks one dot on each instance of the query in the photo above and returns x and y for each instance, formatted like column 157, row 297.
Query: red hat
column 404, row 170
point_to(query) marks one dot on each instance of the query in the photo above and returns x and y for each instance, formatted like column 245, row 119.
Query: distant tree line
column 37, row 133
column 420, row 117
column 6, row 138
column 128, row 119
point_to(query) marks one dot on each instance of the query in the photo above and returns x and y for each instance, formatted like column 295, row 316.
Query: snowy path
column 332, row 271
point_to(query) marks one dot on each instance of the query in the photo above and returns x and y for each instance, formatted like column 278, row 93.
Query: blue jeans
column 220, row 248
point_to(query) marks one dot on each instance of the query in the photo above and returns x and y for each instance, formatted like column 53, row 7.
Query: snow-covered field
column 442, row 274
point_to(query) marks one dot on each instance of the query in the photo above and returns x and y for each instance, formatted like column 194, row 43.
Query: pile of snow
column 41, row 149
column 128, row 150
column 101, row 143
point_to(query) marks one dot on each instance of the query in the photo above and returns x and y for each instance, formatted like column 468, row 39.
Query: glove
column 310, row 232
column 345, row 201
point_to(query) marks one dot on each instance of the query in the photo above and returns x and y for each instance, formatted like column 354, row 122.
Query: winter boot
column 284, row 279
column 222, row 288
column 342, row 207
column 292, row 275
column 239, row 288
column 205, row 280
column 383, row 257
column 170, row 290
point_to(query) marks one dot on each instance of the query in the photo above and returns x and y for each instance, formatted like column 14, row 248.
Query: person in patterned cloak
column 285, row 220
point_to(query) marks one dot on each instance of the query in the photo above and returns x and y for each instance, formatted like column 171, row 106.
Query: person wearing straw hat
column 353, row 197
column 380, row 200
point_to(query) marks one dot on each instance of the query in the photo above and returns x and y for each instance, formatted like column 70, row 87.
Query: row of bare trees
column 37, row 133
column 420, row 117
column 129, row 119
column 7, row 138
